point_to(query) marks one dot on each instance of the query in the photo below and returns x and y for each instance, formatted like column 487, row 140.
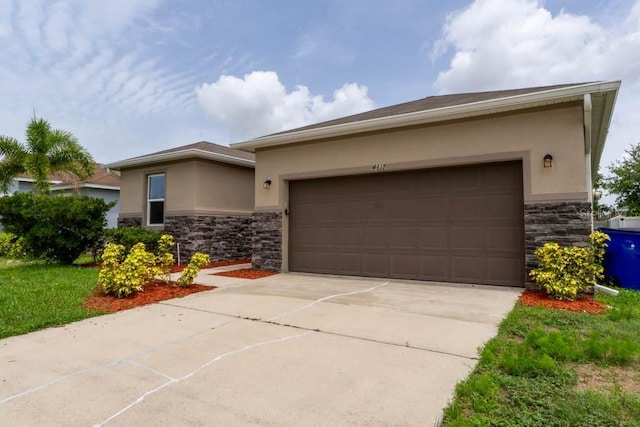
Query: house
column 453, row 188
column 200, row 193
column 103, row 183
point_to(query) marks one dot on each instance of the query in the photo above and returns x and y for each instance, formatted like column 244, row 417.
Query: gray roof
column 204, row 146
column 202, row 149
column 428, row 103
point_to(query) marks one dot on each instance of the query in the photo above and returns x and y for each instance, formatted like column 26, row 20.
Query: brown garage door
column 459, row 224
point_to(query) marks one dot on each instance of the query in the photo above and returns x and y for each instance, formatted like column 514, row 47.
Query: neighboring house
column 200, row 193
column 453, row 188
column 104, row 184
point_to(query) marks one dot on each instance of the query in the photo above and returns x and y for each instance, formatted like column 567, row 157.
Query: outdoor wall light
column 548, row 161
column 267, row 184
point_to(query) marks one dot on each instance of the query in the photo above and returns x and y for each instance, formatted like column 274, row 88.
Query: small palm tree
column 45, row 151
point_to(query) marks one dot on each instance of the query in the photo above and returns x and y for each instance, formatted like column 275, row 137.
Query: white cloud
column 499, row 44
column 259, row 104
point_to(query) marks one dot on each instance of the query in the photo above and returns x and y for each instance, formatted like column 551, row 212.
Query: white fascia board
column 516, row 102
column 23, row 179
column 180, row 155
column 86, row 185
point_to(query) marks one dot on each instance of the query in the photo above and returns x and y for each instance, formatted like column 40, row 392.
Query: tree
column 624, row 181
column 46, row 150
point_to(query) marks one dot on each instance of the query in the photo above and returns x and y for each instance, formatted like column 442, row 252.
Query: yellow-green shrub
column 198, row 260
column 164, row 258
column 11, row 246
column 564, row 272
column 122, row 277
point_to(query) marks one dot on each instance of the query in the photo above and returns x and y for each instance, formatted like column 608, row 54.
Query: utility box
column 622, row 257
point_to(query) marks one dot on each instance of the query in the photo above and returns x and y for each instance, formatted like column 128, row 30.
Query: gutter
column 516, row 102
column 587, row 110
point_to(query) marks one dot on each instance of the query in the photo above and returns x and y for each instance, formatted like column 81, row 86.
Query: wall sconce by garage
column 548, row 161
column 266, row 184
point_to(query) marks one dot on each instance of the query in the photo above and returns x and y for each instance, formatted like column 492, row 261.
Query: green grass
column 35, row 295
column 536, row 370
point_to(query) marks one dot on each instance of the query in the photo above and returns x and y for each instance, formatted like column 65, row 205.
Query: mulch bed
column 246, row 273
column 584, row 304
column 154, row 291
column 179, row 268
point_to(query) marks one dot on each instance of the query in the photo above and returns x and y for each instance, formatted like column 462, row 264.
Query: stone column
column 267, row 241
column 566, row 223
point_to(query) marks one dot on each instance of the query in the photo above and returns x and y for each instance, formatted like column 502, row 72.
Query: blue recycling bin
column 622, row 257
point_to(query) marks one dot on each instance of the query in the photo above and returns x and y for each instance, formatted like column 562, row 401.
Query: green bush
column 129, row 236
column 198, row 260
column 54, row 228
column 565, row 272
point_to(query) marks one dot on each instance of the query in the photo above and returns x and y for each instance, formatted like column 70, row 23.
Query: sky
column 131, row 77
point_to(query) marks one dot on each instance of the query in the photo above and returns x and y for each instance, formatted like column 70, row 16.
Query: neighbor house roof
column 102, row 177
column 598, row 99
column 201, row 150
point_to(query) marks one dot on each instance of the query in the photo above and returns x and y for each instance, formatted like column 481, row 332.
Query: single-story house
column 103, row 183
column 453, row 188
column 200, row 193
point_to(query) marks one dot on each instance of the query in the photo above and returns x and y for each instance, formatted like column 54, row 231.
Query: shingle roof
column 204, row 146
column 100, row 176
column 428, row 103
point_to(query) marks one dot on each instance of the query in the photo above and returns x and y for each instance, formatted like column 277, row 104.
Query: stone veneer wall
column 566, row 223
column 130, row 221
column 267, row 240
column 222, row 237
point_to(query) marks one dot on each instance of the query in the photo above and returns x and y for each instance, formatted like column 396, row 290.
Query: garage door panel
column 434, row 238
column 461, row 224
column 501, row 270
column 375, row 265
column 471, row 237
column 468, row 269
column 503, row 238
column 436, row 267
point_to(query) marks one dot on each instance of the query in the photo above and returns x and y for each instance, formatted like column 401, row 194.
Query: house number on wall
column 379, row 167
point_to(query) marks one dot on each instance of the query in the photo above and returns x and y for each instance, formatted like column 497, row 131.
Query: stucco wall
column 193, row 187
column 527, row 136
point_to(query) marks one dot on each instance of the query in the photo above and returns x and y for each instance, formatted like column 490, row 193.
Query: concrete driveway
column 290, row 349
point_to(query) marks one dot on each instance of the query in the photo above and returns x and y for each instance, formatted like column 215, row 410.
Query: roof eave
column 180, row 155
column 86, row 185
column 598, row 141
column 516, row 102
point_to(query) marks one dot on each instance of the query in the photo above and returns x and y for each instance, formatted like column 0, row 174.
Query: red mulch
column 179, row 268
column 584, row 304
column 154, row 291
column 246, row 273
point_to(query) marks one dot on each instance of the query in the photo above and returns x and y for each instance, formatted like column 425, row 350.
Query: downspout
column 587, row 107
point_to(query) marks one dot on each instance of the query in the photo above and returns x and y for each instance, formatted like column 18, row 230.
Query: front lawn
column 556, row 368
column 34, row 295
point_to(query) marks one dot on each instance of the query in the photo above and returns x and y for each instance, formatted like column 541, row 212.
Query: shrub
column 122, row 275
column 129, row 236
column 565, row 272
column 164, row 258
column 54, row 228
column 11, row 246
column 198, row 260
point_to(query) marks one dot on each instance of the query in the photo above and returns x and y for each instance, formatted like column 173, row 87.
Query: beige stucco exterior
column 528, row 136
column 193, row 187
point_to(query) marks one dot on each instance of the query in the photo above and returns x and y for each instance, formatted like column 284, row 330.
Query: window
column 155, row 199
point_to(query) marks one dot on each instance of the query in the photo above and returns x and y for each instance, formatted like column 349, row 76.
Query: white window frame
column 149, row 200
